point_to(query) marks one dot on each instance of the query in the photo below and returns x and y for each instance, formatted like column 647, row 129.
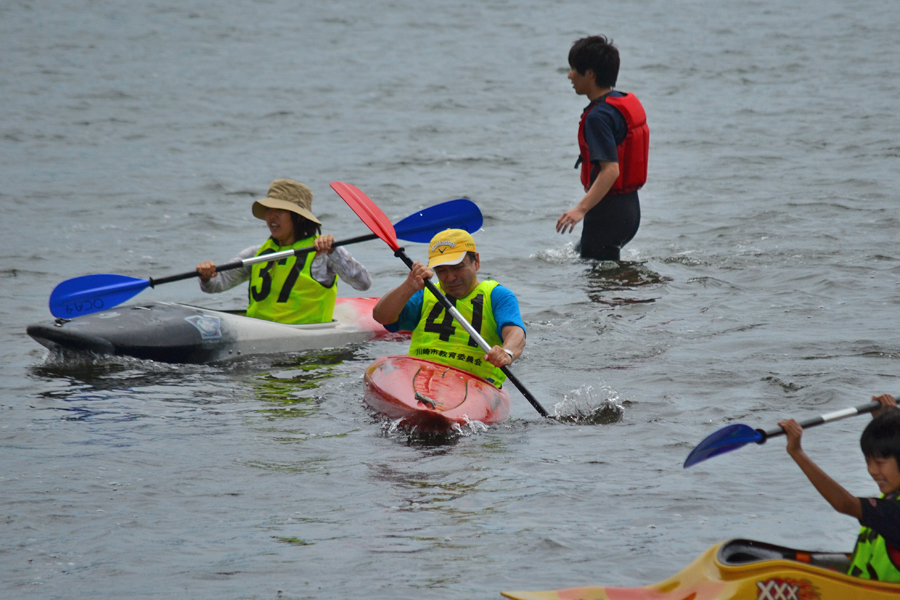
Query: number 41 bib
column 440, row 338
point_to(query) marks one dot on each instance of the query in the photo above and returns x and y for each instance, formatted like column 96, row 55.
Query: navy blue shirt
column 604, row 129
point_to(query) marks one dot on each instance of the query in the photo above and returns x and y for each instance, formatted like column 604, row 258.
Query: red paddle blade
column 366, row 210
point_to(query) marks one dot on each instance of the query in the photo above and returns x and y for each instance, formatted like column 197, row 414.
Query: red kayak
column 431, row 396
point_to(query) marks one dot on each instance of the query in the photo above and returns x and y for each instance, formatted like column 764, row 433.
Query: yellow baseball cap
column 449, row 247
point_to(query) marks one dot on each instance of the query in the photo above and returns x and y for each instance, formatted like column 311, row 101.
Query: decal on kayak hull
column 210, row 327
column 786, row 589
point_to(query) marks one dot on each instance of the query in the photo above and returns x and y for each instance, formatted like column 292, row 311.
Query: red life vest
column 633, row 151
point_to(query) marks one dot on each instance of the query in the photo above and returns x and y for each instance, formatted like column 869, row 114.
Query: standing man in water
column 613, row 139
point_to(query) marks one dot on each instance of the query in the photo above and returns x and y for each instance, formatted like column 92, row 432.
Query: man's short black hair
column 598, row 54
column 881, row 437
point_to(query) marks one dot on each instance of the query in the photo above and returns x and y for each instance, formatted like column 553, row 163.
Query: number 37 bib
column 284, row 290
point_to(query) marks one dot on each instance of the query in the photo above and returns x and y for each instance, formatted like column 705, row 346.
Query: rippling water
column 762, row 283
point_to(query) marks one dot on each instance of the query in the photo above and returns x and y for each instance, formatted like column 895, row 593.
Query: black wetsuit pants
column 609, row 226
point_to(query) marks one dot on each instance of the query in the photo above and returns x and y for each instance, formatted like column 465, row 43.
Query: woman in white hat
column 292, row 290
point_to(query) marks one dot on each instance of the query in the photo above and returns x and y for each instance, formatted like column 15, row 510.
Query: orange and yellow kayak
column 744, row 570
column 431, row 396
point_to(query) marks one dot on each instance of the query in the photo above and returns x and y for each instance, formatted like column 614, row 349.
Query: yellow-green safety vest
column 438, row 337
column 871, row 559
column 284, row 290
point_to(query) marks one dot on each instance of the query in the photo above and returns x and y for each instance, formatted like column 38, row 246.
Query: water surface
column 762, row 284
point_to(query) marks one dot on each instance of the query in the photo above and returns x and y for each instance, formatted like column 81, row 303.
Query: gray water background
column 762, row 284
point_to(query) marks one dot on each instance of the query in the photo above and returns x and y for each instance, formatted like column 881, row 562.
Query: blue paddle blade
column 724, row 440
column 93, row 293
column 453, row 214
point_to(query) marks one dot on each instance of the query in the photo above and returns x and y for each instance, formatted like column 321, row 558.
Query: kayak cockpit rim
column 739, row 552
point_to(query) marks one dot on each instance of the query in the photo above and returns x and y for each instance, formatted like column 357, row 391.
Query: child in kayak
column 877, row 552
column 293, row 290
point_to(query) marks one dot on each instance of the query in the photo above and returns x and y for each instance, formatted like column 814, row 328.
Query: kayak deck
column 743, row 569
column 430, row 396
column 180, row 333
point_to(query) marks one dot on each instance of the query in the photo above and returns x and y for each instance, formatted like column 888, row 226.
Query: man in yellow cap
column 492, row 310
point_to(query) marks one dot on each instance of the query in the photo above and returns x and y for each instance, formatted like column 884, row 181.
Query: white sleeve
column 340, row 263
column 228, row 279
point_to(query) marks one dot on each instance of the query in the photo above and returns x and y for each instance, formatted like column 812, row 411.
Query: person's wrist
column 510, row 354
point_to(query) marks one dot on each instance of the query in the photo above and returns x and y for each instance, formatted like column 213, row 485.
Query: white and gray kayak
column 180, row 333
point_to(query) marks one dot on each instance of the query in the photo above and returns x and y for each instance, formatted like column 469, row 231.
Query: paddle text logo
column 786, row 589
column 84, row 306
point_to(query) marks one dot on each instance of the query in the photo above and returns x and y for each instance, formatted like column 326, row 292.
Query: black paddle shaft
column 240, row 263
column 399, row 253
column 822, row 419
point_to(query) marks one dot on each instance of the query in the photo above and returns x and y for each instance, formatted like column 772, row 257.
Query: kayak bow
column 430, row 396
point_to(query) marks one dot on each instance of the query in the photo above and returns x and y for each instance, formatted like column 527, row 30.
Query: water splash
column 559, row 255
column 469, row 427
column 585, row 406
